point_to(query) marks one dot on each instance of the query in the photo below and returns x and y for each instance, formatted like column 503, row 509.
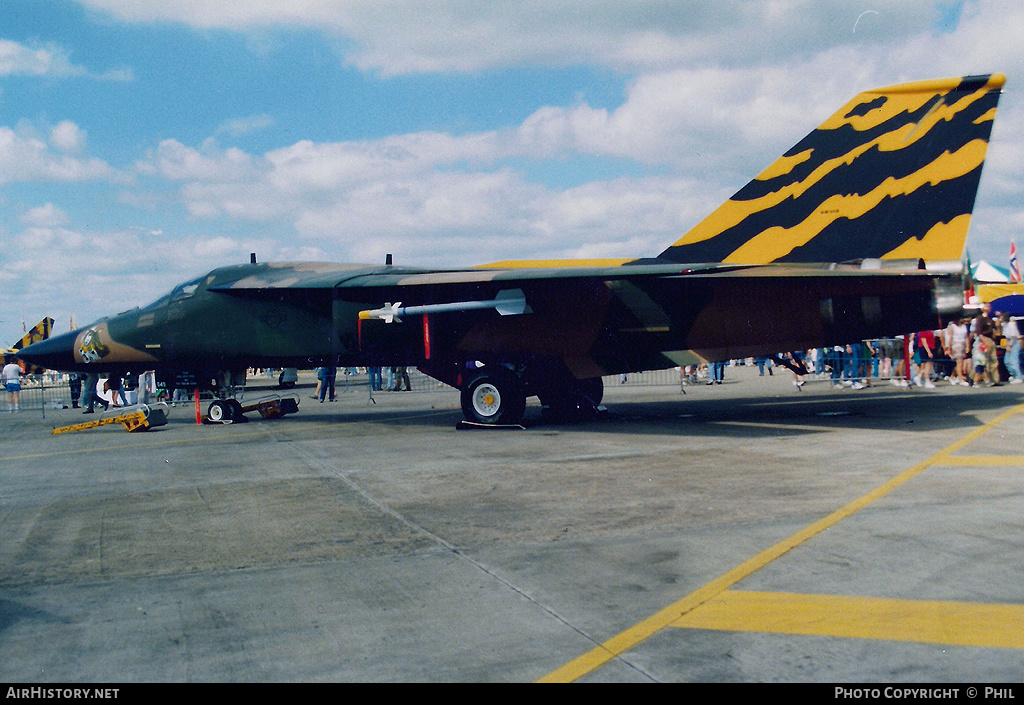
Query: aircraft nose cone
column 57, row 353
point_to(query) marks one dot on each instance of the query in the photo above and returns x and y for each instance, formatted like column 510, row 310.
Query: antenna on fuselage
column 388, row 260
column 252, row 258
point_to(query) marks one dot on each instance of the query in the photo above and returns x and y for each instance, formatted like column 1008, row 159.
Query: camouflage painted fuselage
column 595, row 320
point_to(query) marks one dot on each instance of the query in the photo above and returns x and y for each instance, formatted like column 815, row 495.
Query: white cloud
column 26, row 157
column 696, row 118
column 51, row 60
column 432, row 198
column 216, row 248
column 70, row 272
column 45, row 216
column 396, row 37
column 236, row 127
column 173, row 160
column 67, row 137
column 18, row 59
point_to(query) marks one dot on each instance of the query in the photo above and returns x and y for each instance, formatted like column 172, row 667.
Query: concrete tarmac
column 746, row 532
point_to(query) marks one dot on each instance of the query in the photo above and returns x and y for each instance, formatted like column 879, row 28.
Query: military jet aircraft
column 856, row 232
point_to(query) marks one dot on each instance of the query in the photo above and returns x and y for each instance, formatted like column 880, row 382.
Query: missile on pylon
column 509, row 302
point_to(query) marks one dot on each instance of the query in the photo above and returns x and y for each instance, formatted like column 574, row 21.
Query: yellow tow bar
column 141, row 419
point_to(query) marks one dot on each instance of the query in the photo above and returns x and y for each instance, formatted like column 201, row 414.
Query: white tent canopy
column 987, row 272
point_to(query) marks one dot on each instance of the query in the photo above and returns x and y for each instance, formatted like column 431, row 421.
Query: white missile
column 509, row 302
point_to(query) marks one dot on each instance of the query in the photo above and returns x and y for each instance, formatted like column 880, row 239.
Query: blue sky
column 142, row 144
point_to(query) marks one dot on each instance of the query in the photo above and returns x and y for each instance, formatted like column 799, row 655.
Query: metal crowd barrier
column 39, row 393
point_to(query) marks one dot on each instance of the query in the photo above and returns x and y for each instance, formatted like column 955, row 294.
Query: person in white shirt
column 955, row 341
column 1012, row 356
column 12, row 381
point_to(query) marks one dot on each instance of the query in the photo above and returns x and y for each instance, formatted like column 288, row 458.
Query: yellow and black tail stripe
column 40, row 331
column 893, row 175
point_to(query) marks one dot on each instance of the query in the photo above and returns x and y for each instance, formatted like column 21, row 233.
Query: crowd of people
column 968, row 351
column 391, row 379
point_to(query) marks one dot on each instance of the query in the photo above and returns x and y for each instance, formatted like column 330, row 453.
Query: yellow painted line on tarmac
column 622, row 642
column 982, row 460
column 920, row 621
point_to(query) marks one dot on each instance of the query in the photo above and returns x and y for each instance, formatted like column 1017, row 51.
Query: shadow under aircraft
column 857, row 232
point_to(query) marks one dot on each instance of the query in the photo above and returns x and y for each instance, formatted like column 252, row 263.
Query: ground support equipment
column 141, row 417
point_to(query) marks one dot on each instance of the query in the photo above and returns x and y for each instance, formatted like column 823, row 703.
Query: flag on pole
column 1014, row 267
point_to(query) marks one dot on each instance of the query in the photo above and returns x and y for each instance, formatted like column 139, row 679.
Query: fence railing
column 38, row 396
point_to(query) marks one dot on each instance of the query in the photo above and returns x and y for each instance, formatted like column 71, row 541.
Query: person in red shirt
column 924, row 356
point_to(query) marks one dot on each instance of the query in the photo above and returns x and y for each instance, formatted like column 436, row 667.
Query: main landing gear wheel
column 494, row 398
column 237, row 414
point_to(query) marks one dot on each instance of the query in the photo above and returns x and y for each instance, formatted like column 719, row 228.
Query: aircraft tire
column 236, row 410
column 220, row 411
column 493, row 398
